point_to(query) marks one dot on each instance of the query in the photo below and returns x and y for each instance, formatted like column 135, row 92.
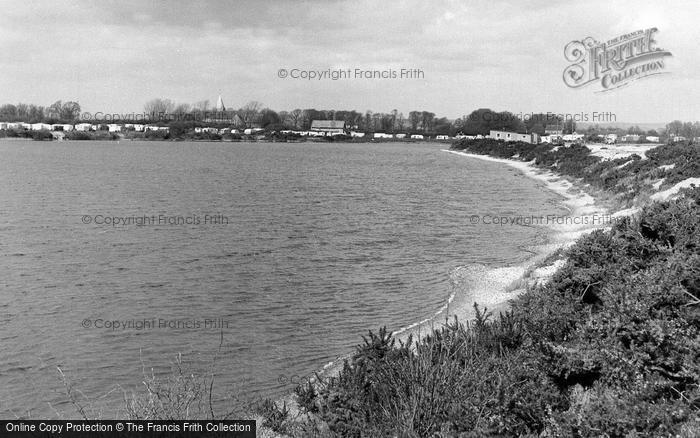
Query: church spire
column 220, row 104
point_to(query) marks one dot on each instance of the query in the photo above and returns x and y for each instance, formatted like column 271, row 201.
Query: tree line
column 256, row 115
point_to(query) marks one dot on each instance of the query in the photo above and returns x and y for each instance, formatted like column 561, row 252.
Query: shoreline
column 493, row 288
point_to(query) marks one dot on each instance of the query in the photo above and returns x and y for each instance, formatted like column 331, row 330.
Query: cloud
column 115, row 56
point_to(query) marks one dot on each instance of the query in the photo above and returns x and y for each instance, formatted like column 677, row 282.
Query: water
column 322, row 243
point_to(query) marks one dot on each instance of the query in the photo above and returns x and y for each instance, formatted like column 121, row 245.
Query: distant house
column 113, row 127
column 401, row 135
column 357, row 134
column 61, row 127
column 652, row 138
column 329, row 127
column 611, row 139
column 382, row 135
column 3, row 125
column 573, row 137
column 442, row 137
column 514, row 136
column 40, row 127
column 677, row 138
column 83, row 127
column 630, row 138
column 417, row 137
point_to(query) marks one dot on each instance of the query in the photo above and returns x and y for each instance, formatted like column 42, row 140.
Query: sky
column 113, row 57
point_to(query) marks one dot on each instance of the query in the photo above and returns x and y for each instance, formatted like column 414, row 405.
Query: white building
column 611, row 139
column 442, row 137
column 382, row 135
column 514, row 136
column 329, row 127
column 652, row 138
column 401, row 135
column 113, row 127
column 40, row 127
column 416, row 137
column 61, row 127
column 630, row 138
column 572, row 137
column 83, row 127
column 357, row 134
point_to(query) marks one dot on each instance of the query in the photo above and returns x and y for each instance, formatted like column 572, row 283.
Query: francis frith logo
column 616, row 62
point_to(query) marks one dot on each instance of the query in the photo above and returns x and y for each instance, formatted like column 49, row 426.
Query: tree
column 414, row 119
column 8, row 113
column 35, row 113
column 23, row 112
column 400, row 122
column 54, row 110
column 157, row 109
column 249, row 113
column 70, row 111
column 269, row 118
column 674, row 128
column 569, row 126
column 368, row 126
column 295, row 117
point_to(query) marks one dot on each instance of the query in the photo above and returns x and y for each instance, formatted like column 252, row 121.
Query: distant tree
column 295, row 117
column 442, row 126
column 36, row 114
column 249, row 112
column 22, row 112
column 70, row 111
column 690, row 130
column 674, row 128
column 400, row 122
column 427, row 120
column 53, row 111
column 483, row 120
column 8, row 113
column 368, row 126
column 569, row 126
column 157, row 109
column 414, row 118
column 269, row 118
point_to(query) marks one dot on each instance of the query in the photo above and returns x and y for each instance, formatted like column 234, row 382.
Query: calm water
column 323, row 242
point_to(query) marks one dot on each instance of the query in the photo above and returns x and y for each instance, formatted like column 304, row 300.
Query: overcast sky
column 115, row 56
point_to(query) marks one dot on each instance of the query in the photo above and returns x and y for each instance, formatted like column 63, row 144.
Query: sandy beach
column 493, row 288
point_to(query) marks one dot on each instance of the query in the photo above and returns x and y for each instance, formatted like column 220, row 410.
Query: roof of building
column 328, row 124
